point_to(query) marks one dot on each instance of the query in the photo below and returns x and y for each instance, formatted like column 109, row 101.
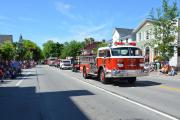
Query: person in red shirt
column 1, row 75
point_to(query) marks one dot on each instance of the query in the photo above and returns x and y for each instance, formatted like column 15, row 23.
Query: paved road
column 47, row 93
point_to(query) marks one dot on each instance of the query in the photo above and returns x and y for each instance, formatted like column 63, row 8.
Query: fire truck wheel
column 132, row 80
column 103, row 78
column 84, row 73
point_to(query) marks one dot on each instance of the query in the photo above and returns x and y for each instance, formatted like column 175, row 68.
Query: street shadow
column 125, row 83
column 25, row 103
column 5, row 81
column 136, row 84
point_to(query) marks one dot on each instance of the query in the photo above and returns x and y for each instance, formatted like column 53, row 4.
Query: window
column 126, row 51
column 139, row 36
column 67, row 62
column 104, row 53
column 147, row 34
column 101, row 53
column 108, row 54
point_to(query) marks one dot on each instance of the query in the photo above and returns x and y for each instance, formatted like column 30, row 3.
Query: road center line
column 128, row 100
column 170, row 88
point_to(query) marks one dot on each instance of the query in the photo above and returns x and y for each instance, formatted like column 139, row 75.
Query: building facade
column 144, row 34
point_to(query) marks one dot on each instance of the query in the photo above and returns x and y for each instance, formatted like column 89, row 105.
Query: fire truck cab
column 121, row 61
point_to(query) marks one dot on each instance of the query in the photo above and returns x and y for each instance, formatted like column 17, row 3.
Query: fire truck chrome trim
column 125, row 73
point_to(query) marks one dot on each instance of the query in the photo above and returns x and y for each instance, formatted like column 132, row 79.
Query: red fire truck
column 122, row 61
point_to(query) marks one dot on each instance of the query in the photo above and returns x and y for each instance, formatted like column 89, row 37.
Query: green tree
column 164, row 21
column 73, row 49
column 29, row 47
column 47, row 48
column 7, row 51
column 29, row 50
column 51, row 49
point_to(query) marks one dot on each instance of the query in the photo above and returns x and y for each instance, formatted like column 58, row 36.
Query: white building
column 144, row 34
column 123, row 34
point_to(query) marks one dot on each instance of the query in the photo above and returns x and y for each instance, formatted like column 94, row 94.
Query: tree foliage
column 164, row 21
column 29, row 50
column 72, row 49
column 7, row 51
column 52, row 49
column 101, row 44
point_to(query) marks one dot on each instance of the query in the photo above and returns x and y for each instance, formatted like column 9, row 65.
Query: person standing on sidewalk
column 1, row 75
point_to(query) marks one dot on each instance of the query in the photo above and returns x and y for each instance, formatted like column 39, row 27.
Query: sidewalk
column 156, row 74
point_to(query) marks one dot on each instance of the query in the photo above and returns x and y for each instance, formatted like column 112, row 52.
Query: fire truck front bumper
column 125, row 73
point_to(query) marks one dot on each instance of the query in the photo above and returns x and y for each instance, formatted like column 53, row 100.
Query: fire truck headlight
column 141, row 64
column 120, row 65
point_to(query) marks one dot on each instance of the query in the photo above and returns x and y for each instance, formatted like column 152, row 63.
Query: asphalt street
column 48, row 93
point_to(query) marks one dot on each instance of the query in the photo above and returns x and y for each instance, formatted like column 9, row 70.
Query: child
column 172, row 72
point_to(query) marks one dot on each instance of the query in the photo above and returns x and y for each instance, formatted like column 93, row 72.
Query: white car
column 65, row 64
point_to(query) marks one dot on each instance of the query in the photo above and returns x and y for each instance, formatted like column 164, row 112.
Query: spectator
column 165, row 69
column 172, row 72
column 1, row 75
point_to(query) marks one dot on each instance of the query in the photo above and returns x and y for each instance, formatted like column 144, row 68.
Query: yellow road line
column 170, row 88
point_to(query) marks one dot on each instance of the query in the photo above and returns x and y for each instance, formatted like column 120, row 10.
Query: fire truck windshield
column 126, row 51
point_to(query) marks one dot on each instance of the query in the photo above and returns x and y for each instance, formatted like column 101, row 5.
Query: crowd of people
column 163, row 68
column 168, row 70
column 12, row 69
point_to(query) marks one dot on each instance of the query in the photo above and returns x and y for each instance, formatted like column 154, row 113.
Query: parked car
column 65, row 64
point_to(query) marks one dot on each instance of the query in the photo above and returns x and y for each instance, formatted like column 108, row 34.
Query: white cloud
column 27, row 19
column 65, row 9
column 62, row 7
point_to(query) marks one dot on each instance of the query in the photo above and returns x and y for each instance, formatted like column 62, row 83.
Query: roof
column 6, row 38
column 123, row 31
column 91, row 46
column 142, row 24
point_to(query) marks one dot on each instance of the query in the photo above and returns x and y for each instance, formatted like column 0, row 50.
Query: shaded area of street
column 25, row 104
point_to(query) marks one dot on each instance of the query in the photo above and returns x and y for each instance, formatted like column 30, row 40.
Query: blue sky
column 66, row 20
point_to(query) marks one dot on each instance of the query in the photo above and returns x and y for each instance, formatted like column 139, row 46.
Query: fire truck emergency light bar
column 122, row 43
